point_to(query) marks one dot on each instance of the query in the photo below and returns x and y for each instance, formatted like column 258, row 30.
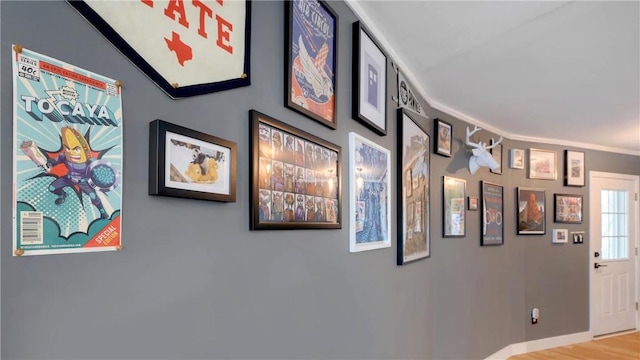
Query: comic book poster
column 67, row 151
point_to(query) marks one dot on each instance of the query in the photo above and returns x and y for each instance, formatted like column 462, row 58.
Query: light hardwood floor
column 621, row 347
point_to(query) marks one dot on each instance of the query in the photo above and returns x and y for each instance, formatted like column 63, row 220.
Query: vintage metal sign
column 186, row 47
column 406, row 96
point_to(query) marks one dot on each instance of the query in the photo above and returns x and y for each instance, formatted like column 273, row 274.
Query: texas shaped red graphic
column 182, row 50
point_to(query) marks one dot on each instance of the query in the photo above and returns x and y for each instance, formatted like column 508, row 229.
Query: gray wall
column 178, row 291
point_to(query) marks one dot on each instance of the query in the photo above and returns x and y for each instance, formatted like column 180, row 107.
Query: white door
column 613, row 254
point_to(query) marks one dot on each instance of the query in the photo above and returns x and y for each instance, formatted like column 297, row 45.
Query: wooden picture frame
column 370, row 195
column 567, row 208
column 190, row 164
column 531, row 211
column 453, row 207
column 295, row 178
column 543, row 164
column 311, row 38
column 413, row 161
column 492, row 214
column 574, row 168
column 369, row 71
column 443, row 137
column 496, row 153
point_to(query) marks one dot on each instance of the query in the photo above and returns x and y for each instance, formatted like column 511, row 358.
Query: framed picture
column 567, row 208
column 369, row 71
column 413, row 192
column 574, row 168
column 531, row 211
column 542, row 164
column 492, row 209
column 370, row 191
column 443, row 131
column 311, row 65
column 560, row 236
column 496, row 152
column 453, row 209
column 190, row 164
column 516, row 159
column 473, row 203
column 295, row 178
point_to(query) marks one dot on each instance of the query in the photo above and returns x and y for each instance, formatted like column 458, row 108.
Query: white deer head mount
column 481, row 155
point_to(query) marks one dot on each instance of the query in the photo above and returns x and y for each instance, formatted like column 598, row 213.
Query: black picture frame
column 369, row 80
column 492, row 224
column 295, row 177
column 531, row 211
column 413, row 167
column 172, row 89
column 190, row 164
column 453, row 207
column 443, row 132
column 496, row 153
column 567, row 208
column 305, row 40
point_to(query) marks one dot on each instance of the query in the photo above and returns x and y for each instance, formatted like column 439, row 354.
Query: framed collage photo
column 567, row 208
column 453, row 207
column 574, row 168
column 311, row 60
column 443, row 143
column 492, row 210
column 370, row 195
column 413, row 189
column 542, row 164
column 496, row 153
column 190, row 164
column 531, row 211
column 369, row 71
column 295, row 178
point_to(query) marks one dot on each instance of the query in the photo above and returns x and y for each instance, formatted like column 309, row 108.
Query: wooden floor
column 622, row 347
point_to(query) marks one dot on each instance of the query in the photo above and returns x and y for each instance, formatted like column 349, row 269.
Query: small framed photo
column 443, row 131
column 574, row 168
column 310, row 56
column 369, row 70
column 370, row 191
column 560, row 236
column 295, row 178
column 542, row 164
column 453, row 209
column 492, row 209
column 413, row 193
column 473, row 203
column 567, row 208
column 516, row 158
column 531, row 211
column 496, row 152
column 190, row 164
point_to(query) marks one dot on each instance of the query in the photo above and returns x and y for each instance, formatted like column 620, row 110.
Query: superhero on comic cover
column 67, row 157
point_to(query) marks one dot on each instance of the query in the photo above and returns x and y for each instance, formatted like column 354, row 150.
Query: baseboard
column 540, row 344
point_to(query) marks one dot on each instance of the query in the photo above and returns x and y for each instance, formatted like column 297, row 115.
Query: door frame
column 635, row 242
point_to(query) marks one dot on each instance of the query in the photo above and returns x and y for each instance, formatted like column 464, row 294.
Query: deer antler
column 468, row 141
column 494, row 143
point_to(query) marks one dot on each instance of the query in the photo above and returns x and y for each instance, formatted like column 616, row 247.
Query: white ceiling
column 545, row 71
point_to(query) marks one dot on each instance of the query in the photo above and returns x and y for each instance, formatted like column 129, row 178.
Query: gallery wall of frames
column 301, row 200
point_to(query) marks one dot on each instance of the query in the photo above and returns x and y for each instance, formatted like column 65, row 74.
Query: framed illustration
column 190, row 164
column 453, row 209
column 516, row 159
column 567, row 208
column 443, row 131
column 492, row 210
column 574, row 168
column 295, row 178
column 413, row 192
column 531, row 211
column 473, row 203
column 310, row 60
column 170, row 45
column 370, row 196
column 542, row 164
column 496, row 152
column 369, row 71
column 560, row 236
